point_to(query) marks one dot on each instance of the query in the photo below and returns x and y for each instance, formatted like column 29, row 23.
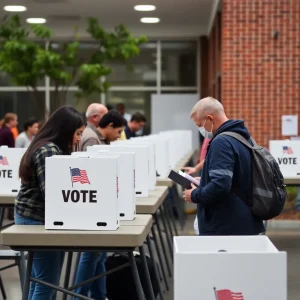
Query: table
column 33, row 238
column 292, row 181
column 177, row 199
column 153, row 205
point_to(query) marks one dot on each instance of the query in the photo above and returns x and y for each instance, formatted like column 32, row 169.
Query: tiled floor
column 284, row 240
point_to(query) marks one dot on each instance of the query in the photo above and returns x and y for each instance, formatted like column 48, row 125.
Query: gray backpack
column 269, row 193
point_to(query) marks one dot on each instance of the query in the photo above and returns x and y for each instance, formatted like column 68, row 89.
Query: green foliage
column 27, row 61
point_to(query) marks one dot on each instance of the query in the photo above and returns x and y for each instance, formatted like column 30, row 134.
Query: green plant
column 27, row 61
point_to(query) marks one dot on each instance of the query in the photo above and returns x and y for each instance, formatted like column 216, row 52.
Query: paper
column 289, row 125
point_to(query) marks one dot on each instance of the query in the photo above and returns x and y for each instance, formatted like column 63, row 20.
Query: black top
column 129, row 133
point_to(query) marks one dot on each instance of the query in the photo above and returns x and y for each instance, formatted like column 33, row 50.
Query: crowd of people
column 66, row 131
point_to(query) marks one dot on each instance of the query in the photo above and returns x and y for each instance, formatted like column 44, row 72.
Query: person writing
column 59, row 136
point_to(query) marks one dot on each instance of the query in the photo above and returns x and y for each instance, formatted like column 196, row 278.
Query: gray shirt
column 23, row 140
column 90, row 137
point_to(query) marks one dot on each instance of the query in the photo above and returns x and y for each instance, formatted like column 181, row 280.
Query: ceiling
column 179, row 18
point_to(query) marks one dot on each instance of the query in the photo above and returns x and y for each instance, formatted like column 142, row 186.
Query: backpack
column 120, row 284
column 268, row 193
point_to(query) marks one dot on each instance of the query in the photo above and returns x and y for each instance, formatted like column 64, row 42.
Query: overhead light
column 145, row 7
column 36, row 20
column 150, row 20
column 14, row 8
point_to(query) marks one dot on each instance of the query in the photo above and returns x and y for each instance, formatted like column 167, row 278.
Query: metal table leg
column 171, row 213
column 160, row 258
column 25, row 293
column 146, row 273
column 68, row 273
column 160, row 290
column 136, row 277
column 162, row 244
column 168, row 238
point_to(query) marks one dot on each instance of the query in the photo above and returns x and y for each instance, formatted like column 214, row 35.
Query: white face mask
column 205, row 133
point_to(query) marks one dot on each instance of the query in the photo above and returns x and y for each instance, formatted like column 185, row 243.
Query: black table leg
column 27, row 276
column 146, row 273
column 168, row 238
column 162, row 244
column 136, row 277
column 160, row 290
column 160, row 258
column 68, row 273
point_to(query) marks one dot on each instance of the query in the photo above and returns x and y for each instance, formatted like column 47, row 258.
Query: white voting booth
column 151, row 145
column 10, row 159
column 81, row 193
column 229, row 267
column 142, row 171
column 287, row 155
column 126, row 170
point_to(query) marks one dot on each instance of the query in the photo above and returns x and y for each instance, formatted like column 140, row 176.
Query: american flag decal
column 78, row 175
column 228, row 295
column 3, row 161
column 287, row 150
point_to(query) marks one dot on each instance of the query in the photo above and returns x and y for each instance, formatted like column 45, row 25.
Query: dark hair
column 121, row 105
column 138, row 117
column 29, row 123
column 114, row 118
column 59, row 129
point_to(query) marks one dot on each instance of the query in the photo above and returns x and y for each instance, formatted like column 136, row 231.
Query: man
column 92, row 263
column 226, row 180
column 111, row 126
column 121, row 110
column 91, row 135
column 136, row 123
column 31, row 128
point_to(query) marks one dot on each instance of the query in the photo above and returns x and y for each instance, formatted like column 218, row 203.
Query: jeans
column 92, row 264
column 46, row 266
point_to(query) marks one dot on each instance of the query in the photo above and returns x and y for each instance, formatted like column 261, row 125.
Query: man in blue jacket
column 226, row 180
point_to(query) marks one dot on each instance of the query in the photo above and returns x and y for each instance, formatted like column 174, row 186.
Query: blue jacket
column 227, row 172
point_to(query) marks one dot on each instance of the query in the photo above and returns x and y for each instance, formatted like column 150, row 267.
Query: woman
column 59, row 136
column 31, row 128
column 9, row 121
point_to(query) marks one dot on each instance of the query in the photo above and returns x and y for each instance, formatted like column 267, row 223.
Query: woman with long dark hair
column 59, row 136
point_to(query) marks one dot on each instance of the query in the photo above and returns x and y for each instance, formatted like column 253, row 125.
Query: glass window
column 143, row 72
column 25, row 104
column 179, row 63
column 134, row 102
column 70, row 98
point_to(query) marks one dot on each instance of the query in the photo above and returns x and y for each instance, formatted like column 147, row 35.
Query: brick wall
column 260, row 74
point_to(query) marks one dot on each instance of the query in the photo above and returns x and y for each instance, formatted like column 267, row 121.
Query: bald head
column 207, row 106
column 208, row 112
column 95, row 112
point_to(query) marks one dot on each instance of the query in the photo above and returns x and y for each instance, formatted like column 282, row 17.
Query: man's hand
column 187, row 194
column 190, row 170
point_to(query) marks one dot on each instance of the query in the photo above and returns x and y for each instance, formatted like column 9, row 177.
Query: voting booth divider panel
column 82, row 193
column 141, row 165
column 152, row 169
column 10, row 159
column 126, row 169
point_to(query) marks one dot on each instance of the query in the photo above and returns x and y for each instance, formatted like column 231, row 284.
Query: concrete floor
column 287, row 240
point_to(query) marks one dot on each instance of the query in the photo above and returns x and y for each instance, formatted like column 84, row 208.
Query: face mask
column 205, row 133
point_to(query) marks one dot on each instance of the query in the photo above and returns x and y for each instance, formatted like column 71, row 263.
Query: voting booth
column 126, row 180
column 81, row 193
column 229, row 267
column 10, row 159
column 150, row 144
column 142, row 171
column 287, row 155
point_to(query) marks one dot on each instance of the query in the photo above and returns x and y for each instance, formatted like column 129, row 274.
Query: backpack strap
column 241, row 139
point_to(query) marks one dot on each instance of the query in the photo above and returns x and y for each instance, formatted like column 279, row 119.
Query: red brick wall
column 261, row 75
